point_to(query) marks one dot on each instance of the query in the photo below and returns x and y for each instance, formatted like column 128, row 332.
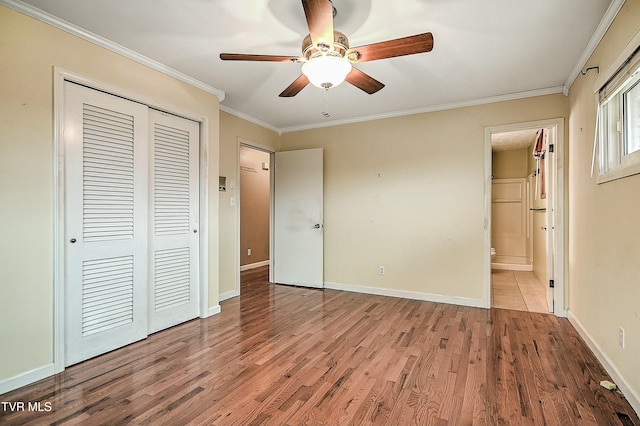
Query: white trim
column 204, row 218
column 597, row 36
column 474, row 102
column 254, row 145
column 249, row 118
column 214, row 310
column 70, row 28
column 557, row 126
column 511, row 266
column 486, row 258
column 625, row 387
column 614, row 66
column 229, row 295
column 405, row 294
column 58, row 221
column 618, row 173
column 26, row 378
column 254, row 265
column 434, row 108
column 59, row 77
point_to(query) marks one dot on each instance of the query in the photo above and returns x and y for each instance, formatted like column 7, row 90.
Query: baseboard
column 27, row 378
column 511, row 267
column 254, row 265
column 404, row 294
column 213, row 310
column 229, row 295
column 627, row 390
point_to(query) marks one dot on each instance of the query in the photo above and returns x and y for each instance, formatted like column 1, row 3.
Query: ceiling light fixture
column 326, row 71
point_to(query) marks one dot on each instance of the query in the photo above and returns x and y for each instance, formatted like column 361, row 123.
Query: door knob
column 317, row 226
column 73, row 240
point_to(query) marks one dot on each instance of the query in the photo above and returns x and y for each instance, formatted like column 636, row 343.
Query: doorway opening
column 523, row 211
column 255, row 207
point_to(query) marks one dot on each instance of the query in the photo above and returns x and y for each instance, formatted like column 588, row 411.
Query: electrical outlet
column 248, row 252
column 380, row 270
column 621, row 337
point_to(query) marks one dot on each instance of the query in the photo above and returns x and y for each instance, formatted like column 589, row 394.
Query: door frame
column 271, row 151
column 557, row 163
column 59, row 77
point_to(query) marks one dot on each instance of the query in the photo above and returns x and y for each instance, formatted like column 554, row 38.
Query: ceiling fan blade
column 267, row 58
column 319, row 15
column 419, row 43
column 363, row 81
column 295, row 87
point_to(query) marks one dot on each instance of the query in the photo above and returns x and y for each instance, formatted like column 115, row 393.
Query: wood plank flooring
column 280, row 355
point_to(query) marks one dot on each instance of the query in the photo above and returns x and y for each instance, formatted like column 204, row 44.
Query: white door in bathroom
column 509, row 220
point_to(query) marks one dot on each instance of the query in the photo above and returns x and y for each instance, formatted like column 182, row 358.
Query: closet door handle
column 73, row 240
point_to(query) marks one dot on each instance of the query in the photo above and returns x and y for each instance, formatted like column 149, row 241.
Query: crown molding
column 70, row 28
column 600, row 31
column 473, row 102
column 250, row 118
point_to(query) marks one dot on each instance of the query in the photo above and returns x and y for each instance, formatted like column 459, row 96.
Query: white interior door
column 174, row 205
column 298, row 218
column 509, row 220
column 106, row 189
column 550, row 171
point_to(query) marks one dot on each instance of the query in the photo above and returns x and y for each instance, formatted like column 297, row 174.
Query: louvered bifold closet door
column 106, row 226
column 174, row 204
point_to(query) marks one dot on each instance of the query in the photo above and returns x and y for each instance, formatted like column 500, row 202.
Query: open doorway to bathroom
column 255, row 208
column 523, row 206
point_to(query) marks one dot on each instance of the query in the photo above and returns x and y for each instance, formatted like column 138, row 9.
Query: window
column 619, row 122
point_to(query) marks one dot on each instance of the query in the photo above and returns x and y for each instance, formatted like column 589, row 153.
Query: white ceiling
column 517, row 139
column 493, row 49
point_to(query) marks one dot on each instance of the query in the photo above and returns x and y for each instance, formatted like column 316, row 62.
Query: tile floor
column 519, row 290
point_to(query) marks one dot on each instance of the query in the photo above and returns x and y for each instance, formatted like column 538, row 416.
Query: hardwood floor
column 280, row 355
column 519, row 290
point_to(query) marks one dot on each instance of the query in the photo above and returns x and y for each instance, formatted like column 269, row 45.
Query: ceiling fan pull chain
column 325, row 105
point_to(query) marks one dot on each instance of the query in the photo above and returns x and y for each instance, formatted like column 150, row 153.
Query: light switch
column 231, row 183
column 232, row 201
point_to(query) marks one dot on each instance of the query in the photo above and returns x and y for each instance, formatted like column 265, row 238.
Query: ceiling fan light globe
column 326, row 71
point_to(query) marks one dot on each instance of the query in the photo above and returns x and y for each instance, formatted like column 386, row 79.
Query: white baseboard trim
column 404, row 294
column 213, row 310
column 628, row 391
column 511, row 267
column 229, row 295
column 254, row 265
column 27, row 378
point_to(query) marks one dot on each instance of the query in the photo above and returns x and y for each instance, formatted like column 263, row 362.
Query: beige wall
column 29, row 50
column 232, row 130
column 604, row 230
column 408, row 193
column 510, row 164
column 254, row 205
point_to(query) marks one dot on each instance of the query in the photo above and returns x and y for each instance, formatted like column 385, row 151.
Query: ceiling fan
column 327, row 59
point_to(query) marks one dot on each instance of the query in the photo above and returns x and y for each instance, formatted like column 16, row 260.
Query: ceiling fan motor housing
column 340, row 46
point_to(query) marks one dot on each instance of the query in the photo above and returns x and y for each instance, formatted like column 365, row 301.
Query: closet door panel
column 174, row 231
column 106, row 192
